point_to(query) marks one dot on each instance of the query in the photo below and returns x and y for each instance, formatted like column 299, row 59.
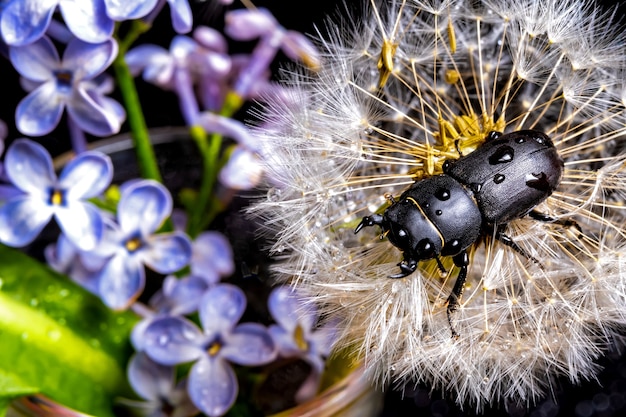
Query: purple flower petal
column 182, row 19
column 90, row 116
column 87, row 20
column 155, row 62
column 129, row 9
column 228, row 127
column 173, row 340
column 249, row 344
column 221, row 308
column 179, row 296
column 212, row 386
column 29, row 167
column 210, row 39
column 22, row 219
column 121, row 281
column 212, row 254
column 151, row 380
column 87, row 175
column 35, row 61
column 25, row 21
column 246, row 25
column 39, row 112
column 81, row 223
column 289, row 311
column 243, row 170
column 144, row 206
column 168, row 252
column 89, row 59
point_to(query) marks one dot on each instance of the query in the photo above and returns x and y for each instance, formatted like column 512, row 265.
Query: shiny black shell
column 510, row 174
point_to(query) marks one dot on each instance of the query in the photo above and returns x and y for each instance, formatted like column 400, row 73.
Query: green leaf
column 58, row 339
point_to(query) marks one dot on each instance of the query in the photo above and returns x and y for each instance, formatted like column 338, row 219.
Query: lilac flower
column 182, row 19
column 29, row 168
column 212, row 382
column 186, row 64
column 156, row 384
column 25, row 21
column 176, row 297
column 131, row 243
column 212, row 257
column 243, row 171
column 296, row 335
column 246, row 25
column 67, row 259
column 65, row 83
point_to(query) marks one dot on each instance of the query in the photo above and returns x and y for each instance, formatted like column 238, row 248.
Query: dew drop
column 498, row 178
column 442, row 194
column 502, row 155
column 438, row 212
column 163, row 340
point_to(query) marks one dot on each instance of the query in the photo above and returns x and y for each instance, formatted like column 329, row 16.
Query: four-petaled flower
column 133, row 242
column 212, row 382
column 29, row 168
column 156, row 384
column 176, row 297
column 296, row 334
column 25, row 21
column 66, row 83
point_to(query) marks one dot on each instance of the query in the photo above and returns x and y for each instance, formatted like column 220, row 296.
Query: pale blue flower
column 177, row 296
column 212, row 257
column 182, row 18
column 212, row 382
column 133, row 242
column 29, row 168
column 66, row 83
column 25, row 21
column 296, row 334
column 156, row 384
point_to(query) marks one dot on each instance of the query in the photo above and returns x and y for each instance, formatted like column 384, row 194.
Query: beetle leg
column 566, row 223
column 502, row 238
column 440, row 265
column 462, row 261
column 407, row 267
column 374, row 219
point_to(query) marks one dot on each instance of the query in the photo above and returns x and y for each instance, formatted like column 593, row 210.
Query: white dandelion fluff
column 405, row 86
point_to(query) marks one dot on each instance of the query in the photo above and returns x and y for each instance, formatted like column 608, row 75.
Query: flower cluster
column 117, row 235
column 404, row 87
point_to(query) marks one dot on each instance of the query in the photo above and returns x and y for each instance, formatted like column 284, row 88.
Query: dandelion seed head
column 401, row 89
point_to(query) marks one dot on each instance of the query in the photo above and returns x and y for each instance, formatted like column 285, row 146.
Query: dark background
column 603, row 398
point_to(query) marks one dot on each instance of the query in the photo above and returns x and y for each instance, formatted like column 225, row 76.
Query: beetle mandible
column 502, row 180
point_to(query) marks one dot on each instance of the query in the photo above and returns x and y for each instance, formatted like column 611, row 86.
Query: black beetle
column 503, row 179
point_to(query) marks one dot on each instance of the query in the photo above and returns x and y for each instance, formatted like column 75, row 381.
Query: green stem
column 209, row 147
column 146, row 158
column 207, row 206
